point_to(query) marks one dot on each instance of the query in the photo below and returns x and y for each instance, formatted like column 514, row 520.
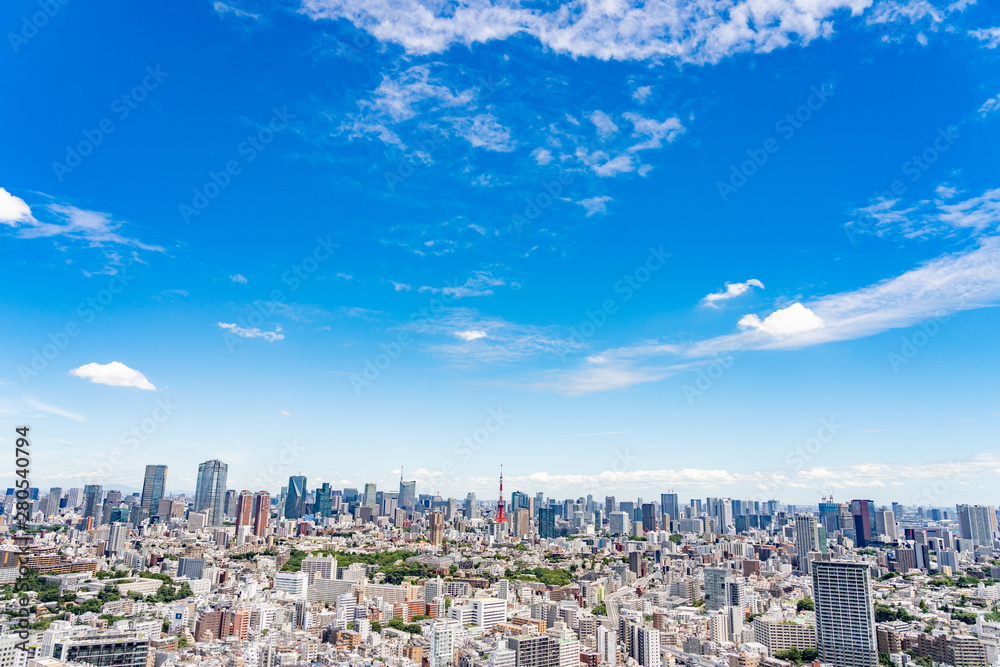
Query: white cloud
column 602, row 121
column 989, row 36
column 732, row 291
column 483, row 131
column 480, row 284
column 471, row 335
column 223, row 9
column 989, row 106
column 794, row 319
column 654, row 131
column 13, row 210
column 253, row 332
column 285, row 413
column 642, row 93
column 52, row 409
column 542, row 156
column 400, row 287
column 978, row 214
column 238, row 278
column 700, row 31
column 595, row 205
column 115, row 374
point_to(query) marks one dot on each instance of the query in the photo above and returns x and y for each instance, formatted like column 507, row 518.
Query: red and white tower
column 501, row 513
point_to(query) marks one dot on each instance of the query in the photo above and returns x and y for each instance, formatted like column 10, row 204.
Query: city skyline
column 753, row 257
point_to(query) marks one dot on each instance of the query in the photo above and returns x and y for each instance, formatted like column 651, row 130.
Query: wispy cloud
column 252, row 332
column 480, row 284
column 239, row 278
column 595, row 205
column 731, row 291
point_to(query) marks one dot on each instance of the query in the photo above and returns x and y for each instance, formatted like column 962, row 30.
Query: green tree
column 805, row 604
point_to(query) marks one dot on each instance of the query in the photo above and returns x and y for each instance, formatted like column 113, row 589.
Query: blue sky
column 737, row 249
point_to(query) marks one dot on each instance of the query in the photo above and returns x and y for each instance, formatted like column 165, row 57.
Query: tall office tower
column 885, row 523
column 547, row 523
column 210, row 491
column 671, row 510
column 648, row 516
column 628, row 507
column 435, row 523
column 863, row 512
column 521, row 522
column 112, row 499
column 116, row 538
column 153, row 487
column 696, row 507
column 806, row 538
column 715, row 588
column 92, row 501
column 407, row 495
column 977, row 523
column 539, row 502
column 295, row 501
column 369, row 499
column 845, row 617
column 618, row 523
column 73, row 497
column 471, row 507
column 244, row 509
column 229, row 503
column 829, row 516
column 261, row 512
column 52, row 506
column 897, row 510
column 610, row 505
column 324, row 500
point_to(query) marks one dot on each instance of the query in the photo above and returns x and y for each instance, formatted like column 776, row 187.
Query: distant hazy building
column 210, row 491
column 471, row 507
column 369, row 499
column 92, row 502
column 435, row 522
column 407, row 495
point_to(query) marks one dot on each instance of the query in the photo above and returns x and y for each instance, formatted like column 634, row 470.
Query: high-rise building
column 244, row 509
column 153, row 488
column 977, row 523
column 547, row 523
column 369, row 499
column 648, row 516
column 210, row 491
column 715, row 588
column 435, row 523
column 92, row 502
column 806, row 538
column 261, row 512
column 52, row 505
column 116, row 538
column 521, row 522
column 407, row 495
column 471, row 507
column 885, row 524
column 845, row 617
column 863, row 512
column 670, row 509
column 295, row 500
column 618, row 523
column 324, row 501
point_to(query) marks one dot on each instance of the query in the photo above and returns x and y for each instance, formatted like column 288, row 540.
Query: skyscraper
column 92, row 501
column 648, row 516
column 52, row 505
column 369, row 500
column 977, row 523
column 547, row 522
column 715, row 588
column 244, row 509
column 407, row 495
column 670, row 509
column 153, row 486
column 210, row 492
column 435, row 522
column 261, row 512
column 324, row 500
column 863, row 512
column 295, row 500
column 845, row 618
column 471, row 507
column 806, row 536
